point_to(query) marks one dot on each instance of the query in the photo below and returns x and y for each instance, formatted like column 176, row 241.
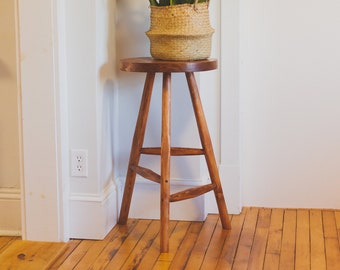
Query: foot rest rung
column 175, row 151
column 147, row 173
column 191, row 193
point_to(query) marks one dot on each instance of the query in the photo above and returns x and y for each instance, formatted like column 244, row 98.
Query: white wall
column 10, row 165
column 90, row 50
column 9, row 127
column 289, row 83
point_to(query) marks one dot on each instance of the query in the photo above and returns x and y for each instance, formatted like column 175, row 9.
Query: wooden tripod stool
column 151, row 66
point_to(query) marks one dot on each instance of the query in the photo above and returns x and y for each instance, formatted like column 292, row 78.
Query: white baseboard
column 92, row 216
column 10, row 233
column 10, row 211
column 230, row 178
column 146, row 201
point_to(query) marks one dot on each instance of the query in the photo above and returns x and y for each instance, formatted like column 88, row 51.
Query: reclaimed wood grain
column 28, row 255
column 260, row 239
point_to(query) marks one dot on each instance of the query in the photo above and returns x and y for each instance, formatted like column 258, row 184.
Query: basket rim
column 179, row 6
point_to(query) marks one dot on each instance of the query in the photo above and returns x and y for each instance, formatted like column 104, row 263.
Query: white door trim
column 230, row 114
column 44, row 120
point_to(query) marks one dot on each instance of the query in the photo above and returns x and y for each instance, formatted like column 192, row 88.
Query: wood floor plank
column 27, row 255
column 113, row 246
column 76, row 256
column 332, row 248
column 143, row 246
column 246, row 239
column 226, row 259
column 257, row 254
column 49, row 253
column 95, row 249
column 318, row 258
column 71, row 246
column 161, row 265
column 128, row 245
column 6, row 240
column 152, row 255
column 175, row 241
column 337, row 221
column 215, row 247
column 329, row 224
column 332, row 254
column 272, row 258
column 260, row 238
column 185, row 249
column 302, row 258
column 202, row 243
column 287, row 258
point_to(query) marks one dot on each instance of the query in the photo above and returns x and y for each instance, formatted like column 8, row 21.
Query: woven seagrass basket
column 180, row 32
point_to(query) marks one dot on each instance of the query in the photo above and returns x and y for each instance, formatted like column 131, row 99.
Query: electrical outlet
column 79, row 163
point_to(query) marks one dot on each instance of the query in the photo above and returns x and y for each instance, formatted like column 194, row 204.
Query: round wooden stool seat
column 148, row 64
column 165, row 151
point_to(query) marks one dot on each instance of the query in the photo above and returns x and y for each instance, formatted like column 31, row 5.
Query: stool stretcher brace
column 151, row 66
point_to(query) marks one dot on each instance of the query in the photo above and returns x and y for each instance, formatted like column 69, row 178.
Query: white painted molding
column 93, row 215
column 10, row 232
column 230, row 111
column 10, row 209
column 10, row 193
column 44, row 183
column 230, row 175
column 62, row 114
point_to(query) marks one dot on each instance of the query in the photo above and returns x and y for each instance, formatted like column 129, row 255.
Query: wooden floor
column 17, row 254
column 260, row 239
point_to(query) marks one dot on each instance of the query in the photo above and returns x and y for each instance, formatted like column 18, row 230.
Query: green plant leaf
column 178, row 2
column 164, row 2
column 153, row 3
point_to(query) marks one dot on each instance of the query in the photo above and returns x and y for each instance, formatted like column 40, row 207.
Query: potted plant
column 180, row 29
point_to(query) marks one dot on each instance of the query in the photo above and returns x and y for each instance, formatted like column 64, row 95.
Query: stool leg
column 208, row 149
column 165, row 162
column 137, row 143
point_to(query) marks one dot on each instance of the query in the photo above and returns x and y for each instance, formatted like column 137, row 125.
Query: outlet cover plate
column 79, row 162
